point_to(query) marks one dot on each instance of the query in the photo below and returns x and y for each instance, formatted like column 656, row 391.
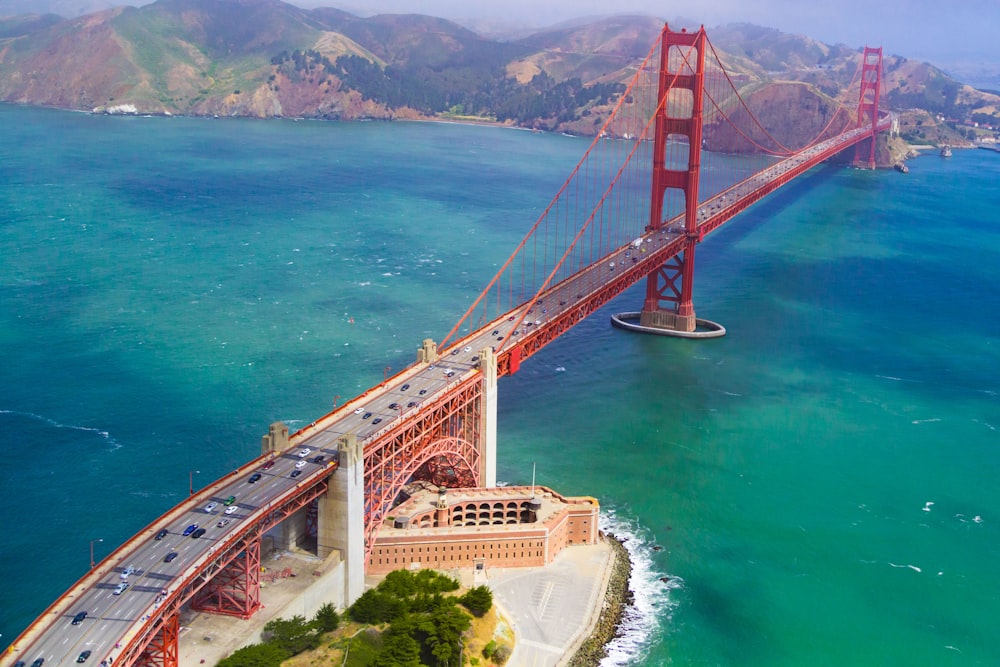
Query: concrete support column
column 342, row 517
column 276, row 440
column 428, row 352
column 488, row 429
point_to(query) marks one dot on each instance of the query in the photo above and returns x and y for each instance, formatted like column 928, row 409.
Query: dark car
column 78, row 619
column 411, row 404
column 198, row 533
column 254, row 477
column 170, row 556
column 160, row 535
column 378, row 420
column 38, row 663
column 367, row 415
column 268, row 465
column 394, row 406
column 83, row 656
column 423, row 391
column 318, row 459
column 404, row 387
column 296, row 473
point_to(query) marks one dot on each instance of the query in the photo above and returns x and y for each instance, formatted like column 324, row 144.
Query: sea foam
column 651, row 603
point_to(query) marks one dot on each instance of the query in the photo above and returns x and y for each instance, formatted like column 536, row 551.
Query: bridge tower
column 669, row 302
column 871, row 84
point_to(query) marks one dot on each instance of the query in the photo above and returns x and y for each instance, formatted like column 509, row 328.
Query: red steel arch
column 457, row 454
column 450, row 429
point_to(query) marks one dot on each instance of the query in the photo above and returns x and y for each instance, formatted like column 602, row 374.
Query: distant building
column 511, row 526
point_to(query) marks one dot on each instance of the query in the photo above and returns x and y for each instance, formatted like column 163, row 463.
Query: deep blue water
column 821, row 480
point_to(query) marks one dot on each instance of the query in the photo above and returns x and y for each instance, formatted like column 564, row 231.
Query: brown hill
column 270, row 58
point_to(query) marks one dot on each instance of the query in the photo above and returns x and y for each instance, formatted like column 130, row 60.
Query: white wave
column 54, row 424
column 912, row 567
column 928, row 505
column 651, row 601
column 925, row 421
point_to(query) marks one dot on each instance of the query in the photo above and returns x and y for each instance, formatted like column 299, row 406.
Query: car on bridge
column 170, row 556
column 190, row 529
column 231, row 509
column 304, row 452
column 268, row 465
column 254, row 477
column 160, row 535
column 229, row 501
column 127, row 571
column 120, row 588
column 300, row 463
column 198, row 533
column 404, row 387
column 222, row 524
column 78, row 619
column 209, row 508
column 318, row 459
column 83, row 656
column 296, row 473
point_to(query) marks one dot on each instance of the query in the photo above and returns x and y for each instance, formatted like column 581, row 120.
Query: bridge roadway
column 113, row 620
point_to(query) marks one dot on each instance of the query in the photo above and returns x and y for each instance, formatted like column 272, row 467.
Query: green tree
column 478, row 600
column 327, row 619
column 293, row 635
column 255, row 655
column 374, row 606
column 399, row 583
column 399, row 649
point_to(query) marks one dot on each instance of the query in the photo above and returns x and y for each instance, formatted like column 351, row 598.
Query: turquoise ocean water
column 819, row 486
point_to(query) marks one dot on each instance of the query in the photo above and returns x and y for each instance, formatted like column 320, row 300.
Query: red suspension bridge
column 680, row 155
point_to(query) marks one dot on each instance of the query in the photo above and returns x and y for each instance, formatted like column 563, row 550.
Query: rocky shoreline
column 616, row 599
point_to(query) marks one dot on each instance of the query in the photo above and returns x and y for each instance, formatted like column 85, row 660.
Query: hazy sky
column 936, row 30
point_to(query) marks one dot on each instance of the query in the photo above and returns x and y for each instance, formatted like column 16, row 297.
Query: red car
column 268, row 465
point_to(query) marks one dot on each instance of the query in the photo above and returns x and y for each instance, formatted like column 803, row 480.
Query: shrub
column 501, row 655
column 489, row 649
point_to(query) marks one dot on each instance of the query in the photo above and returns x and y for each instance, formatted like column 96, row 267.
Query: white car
column 359, row 410
column 301, row 464
column 231, row 509
column 209, row 508
column 467, row 349
column 222, row 524
column 127, row 571
column 121, row 588
column 304, row 452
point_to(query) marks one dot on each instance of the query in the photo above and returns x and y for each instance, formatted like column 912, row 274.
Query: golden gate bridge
column 657, row 179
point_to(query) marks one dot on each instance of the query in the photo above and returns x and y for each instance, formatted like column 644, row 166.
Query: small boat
column 946, row 151
column 902, row 168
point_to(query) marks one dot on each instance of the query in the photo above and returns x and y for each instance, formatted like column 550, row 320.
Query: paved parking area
column 554, row 608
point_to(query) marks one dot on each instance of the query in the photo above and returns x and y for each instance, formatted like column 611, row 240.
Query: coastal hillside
column 268, row 58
